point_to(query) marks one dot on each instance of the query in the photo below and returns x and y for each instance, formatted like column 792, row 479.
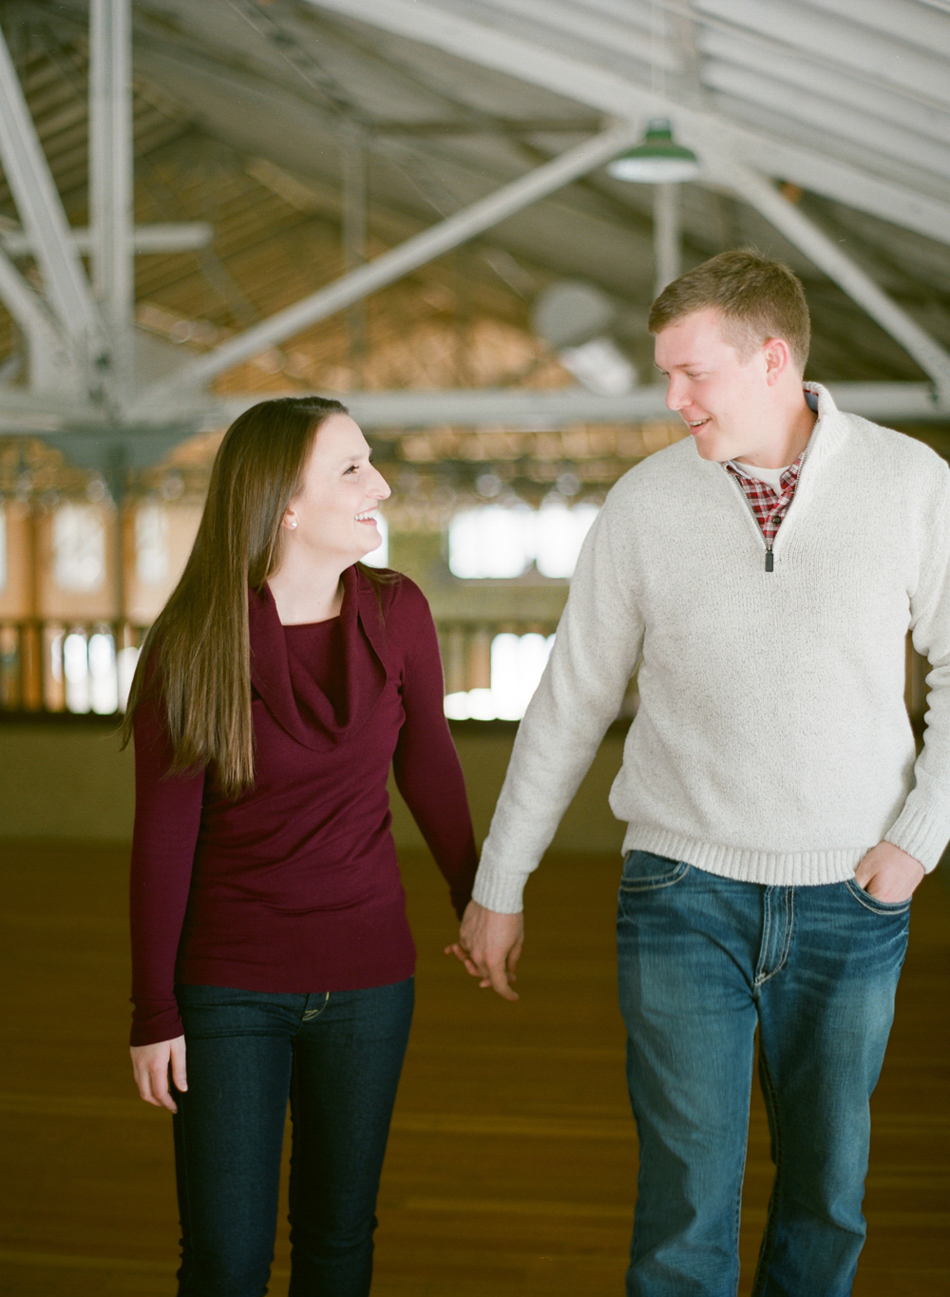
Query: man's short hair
column 757, row 298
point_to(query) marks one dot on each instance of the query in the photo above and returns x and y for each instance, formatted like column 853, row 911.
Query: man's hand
column 889, row 873
column 489, row 946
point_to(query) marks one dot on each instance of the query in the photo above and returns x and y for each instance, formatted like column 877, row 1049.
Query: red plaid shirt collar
column 769, row 508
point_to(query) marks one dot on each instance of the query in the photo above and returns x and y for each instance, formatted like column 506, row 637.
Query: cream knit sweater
column 772, row 743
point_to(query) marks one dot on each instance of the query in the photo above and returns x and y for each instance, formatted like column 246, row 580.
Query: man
column 762, row 575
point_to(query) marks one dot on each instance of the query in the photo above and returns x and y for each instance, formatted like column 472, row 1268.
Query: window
column 517, row 663
column 79, row 547
column 379, row 557
column 559, row 535
column 97, row 679
column 498, row 541
column 491, row 540
column 151, row 544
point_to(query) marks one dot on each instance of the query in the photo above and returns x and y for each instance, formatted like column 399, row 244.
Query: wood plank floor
column 512, row 1161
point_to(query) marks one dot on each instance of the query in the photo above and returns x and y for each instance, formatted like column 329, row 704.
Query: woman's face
column 333, row 516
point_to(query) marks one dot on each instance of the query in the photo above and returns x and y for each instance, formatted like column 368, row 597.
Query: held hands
column 889, row 873
column 150, row 1067
column 489, row 946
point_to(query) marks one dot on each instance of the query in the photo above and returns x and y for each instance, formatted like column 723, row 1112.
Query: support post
column 666, row 235
column 110, row 176
column 117, row 478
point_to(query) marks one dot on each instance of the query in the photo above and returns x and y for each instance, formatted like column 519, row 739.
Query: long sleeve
column 598, row 645
column 923, row 826
column 427, row 768
column 167, row 819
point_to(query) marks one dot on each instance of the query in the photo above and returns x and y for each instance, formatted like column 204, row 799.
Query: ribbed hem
column 501, row 892
column 772, row 868
column 917, row 833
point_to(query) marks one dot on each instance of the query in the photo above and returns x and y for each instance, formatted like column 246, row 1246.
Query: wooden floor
column 512, row 1161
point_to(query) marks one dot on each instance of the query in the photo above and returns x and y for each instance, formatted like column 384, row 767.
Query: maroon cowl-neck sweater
column 294, row 886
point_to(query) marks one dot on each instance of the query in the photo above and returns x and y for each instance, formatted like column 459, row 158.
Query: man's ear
column 778, row 357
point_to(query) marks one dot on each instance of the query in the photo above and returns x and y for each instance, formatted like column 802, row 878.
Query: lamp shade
column 658, row 160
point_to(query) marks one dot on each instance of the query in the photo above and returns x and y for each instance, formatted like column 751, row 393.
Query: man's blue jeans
column 337, row 1056
column 702, row 961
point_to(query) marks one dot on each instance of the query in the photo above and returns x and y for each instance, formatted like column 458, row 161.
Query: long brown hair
column 198, row 651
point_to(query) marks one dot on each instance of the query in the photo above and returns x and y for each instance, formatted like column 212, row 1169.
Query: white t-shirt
column 770, row 476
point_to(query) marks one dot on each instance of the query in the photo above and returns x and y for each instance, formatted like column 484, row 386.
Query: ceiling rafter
column 597, row 87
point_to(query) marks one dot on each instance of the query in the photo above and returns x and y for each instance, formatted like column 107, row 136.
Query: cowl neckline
column 295, row 700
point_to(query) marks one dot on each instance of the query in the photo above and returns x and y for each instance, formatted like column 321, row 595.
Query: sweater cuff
column 915, row 832
column 500, row 891
column 154, row 1021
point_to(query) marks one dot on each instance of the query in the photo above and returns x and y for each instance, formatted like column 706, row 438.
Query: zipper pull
column 769, row 560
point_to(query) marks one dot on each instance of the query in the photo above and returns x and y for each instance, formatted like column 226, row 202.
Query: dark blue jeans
column 702, row 961
column 337, row 1057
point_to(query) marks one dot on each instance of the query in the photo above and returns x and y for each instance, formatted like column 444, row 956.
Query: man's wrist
column 498, row 891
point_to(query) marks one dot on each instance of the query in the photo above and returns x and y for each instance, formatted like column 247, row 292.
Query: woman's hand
column 489, row 946
column 151, row 1065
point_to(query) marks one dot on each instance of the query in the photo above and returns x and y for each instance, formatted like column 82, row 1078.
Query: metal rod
column 353, row 159
column 666, row 235
column 110, row 175
column 160, row 236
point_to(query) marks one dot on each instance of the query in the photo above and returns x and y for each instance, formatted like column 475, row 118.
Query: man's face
column 721, row 393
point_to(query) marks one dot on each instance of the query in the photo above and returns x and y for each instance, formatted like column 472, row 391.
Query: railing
column 67, row 666
column 75, row 667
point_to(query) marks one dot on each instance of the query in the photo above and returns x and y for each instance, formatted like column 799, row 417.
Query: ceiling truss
column 79, row 333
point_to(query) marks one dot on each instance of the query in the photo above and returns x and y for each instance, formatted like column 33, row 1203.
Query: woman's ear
column 289, row 520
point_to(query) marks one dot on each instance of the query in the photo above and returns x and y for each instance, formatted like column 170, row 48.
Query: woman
column 269, row 932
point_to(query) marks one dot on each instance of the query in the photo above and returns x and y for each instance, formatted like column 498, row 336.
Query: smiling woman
column 330, row 519
column 275, row 691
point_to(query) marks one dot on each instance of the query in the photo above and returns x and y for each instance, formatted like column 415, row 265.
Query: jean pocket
column 645, row 872
column 874, row 903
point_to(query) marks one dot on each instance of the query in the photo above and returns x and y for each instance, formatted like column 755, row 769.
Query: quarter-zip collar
column 827, row 437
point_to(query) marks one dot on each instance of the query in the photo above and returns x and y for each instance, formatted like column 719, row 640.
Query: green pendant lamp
column 659, row 160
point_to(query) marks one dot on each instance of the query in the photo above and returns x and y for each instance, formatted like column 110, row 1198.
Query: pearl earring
column 293, row 524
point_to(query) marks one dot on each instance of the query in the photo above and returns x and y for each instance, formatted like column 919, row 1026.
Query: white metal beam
column 573, row 78
column 110, row 173
column 390, row 413
column 41, row 211
column 22, row 301
column 861, row 94
column 402, row 260
column 553, row 409
column 580, row 22
column 395, row 412
column 160, row 237
column 853, row 45
column 906, row 19
column 49, row 366
column 761, row 194
column 837, row 121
